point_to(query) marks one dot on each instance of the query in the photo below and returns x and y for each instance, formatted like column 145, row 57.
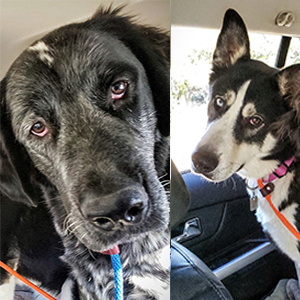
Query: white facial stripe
column 221, row 129
column 249, row 110
column 219, row 137
column 43, row 52
column 256, row 167
column 268, row 144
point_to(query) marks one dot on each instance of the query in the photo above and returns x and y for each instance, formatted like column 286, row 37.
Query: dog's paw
column 7, row 289
column 293, row 289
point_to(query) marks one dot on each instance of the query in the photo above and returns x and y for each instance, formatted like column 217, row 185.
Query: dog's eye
column 39, row 129
column 256, row 121
column 118, row 89
column 220, row 102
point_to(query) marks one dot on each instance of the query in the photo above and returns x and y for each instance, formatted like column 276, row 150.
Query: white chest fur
column 284, row 239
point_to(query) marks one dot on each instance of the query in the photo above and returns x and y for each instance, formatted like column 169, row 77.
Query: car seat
column 191, row 279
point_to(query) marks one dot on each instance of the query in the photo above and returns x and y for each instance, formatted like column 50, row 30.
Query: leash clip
column 253, row 196
column 267, row 189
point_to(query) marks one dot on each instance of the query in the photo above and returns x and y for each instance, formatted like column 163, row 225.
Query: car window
column 192, row 50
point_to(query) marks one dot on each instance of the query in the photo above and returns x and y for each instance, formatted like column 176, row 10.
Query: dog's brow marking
column 230, row 96
column 43, row 52
column 249, row 110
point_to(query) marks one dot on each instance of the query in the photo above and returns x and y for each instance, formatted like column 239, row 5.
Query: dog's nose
column 204, row 160
column 127, row 207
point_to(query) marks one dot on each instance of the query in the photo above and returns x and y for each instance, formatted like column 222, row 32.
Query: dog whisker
column 162, row 176
column 66, row 221
column 94, row 258
column 166, row 184
column 72, row 230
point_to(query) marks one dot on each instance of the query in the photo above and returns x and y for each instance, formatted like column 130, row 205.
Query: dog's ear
column 15, row 165
column 289, row 86
column 152, row 48
column 233, row 42
column 154, row 54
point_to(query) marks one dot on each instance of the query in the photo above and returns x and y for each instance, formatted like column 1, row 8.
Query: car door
column 221, row 229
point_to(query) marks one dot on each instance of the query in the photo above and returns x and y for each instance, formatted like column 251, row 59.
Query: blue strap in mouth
column 118, row 273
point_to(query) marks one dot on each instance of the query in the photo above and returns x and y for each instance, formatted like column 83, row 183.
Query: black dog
column 254, row 130
column 84, row 139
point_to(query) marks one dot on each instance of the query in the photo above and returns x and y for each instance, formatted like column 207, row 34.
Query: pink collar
column 281, row 170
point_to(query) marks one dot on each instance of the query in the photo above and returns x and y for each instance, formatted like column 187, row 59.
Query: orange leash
column 281, row 217
column 11, row 271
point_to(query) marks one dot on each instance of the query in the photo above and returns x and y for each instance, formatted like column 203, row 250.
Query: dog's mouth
column 98, row 241
column 218, row 175
column 240, row 168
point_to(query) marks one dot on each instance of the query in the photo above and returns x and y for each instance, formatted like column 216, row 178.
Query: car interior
column 215, row 235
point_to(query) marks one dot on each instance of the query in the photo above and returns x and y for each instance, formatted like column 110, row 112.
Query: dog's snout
column 125, row 207
column 135, row 212
column 104, row 223
column 204, row 160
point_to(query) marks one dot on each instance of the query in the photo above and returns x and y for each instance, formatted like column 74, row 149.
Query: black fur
column 101, row 155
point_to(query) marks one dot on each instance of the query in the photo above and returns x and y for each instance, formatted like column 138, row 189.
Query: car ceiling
column 259, row 15
column 24, row 21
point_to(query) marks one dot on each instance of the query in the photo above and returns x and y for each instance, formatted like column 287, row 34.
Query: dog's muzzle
column 204, row 161
column 125, row 207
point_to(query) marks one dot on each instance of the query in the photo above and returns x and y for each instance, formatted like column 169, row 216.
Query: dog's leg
column 293, row 286
column 297, row 266
column 7, row 289
column 67, row 290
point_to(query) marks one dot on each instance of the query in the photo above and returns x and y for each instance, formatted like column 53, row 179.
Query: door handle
column 192, row 228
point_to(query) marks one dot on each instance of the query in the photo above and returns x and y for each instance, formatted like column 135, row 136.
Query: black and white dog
column 254, row 130
column 84, row 139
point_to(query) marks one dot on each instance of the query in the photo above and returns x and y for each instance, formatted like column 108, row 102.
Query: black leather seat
column 191, row 279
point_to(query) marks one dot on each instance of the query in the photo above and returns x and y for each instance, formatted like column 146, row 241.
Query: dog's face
column 81, row 106
column 250, row 107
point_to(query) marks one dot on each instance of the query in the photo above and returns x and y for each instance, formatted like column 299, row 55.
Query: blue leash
column 117, row 267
